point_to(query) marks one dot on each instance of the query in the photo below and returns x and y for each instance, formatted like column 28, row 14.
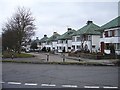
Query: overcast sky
column 57, row 15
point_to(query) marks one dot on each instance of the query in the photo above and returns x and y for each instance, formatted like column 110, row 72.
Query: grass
column 16, row 55
column 59, row 63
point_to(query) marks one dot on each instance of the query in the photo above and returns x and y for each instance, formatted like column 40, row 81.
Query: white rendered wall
column 96, row 42
column 54, row 44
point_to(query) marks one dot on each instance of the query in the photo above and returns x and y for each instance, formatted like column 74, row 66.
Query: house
column 37, row 41
column 110, row 35
column 52, row 42
column 43, row 42
column 26, row 45
column 64, row 43
column 86, row 38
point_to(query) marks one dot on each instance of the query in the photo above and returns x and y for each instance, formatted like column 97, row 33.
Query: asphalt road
column 16, row 75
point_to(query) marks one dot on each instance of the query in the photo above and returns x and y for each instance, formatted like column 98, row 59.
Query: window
column 89, row 37
column 118, row 32
column 93, row 46
column 112, row 33
column 73, row 46
column 78, row 46
column 39, row 43
column 107, row 46
column 78, row 38
column 69, row 47
column 60, row 47
column 101, row 35
column 66, row 41
column 85, row 37
column 60, row 41
column 106, row 33
column 73, row 39
column 118, row 46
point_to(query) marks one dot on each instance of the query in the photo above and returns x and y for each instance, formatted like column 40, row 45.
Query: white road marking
column 32, row 84
column 74, row 86
column 91, row 87
column 51, row 85
column 14, row 83
column 109, row 87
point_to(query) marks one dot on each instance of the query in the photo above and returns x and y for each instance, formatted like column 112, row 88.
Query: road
column 16, row 75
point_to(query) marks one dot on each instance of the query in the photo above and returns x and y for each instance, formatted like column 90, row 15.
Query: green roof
column 53, row 37
column 36, row 41
column 67, row 35
column 44, row 39
column 111, row 24
column 88, row 29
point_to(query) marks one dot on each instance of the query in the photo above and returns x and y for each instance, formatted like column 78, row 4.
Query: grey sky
column 58, row 15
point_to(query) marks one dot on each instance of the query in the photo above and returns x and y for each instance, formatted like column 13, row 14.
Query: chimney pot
column 54, row 33
column 69, row 29
column 45, row 35
column 89, row 22
column 36, row 37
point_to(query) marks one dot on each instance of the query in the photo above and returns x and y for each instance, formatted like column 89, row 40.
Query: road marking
column 109, row 87
column 14, row 83
column 74, row 86
column 51, row 85
column 2, row 82
column 32, row 84
column 91, row 87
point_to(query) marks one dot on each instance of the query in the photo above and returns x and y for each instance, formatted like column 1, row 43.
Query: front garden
column 93, row 55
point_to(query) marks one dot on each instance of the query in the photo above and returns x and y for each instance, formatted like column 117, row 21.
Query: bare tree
column 19, row 28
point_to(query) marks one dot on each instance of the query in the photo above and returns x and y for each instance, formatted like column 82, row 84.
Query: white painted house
column 43, row 42
column 65, row 41
column 86, row 38
column 52, row 42
column 110, row 35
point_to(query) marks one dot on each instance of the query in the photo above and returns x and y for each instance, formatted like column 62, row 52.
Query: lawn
column 16, row 55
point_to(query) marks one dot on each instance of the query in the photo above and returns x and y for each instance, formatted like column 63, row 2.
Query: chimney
column 69, row 29
column 45, row 35
column 54, row 33
column 36, row 38
column 89, row 22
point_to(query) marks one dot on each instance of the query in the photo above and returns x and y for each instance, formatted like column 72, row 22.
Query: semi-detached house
column 110, row 35
column 86, row 38
column 51, row 44
column 64, row 43
column 43, row 42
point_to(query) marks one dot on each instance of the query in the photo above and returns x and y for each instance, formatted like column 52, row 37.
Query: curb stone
column 60, row 63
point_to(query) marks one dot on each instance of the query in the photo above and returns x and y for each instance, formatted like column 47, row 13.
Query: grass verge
column 59, row 63
column 16, row 55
